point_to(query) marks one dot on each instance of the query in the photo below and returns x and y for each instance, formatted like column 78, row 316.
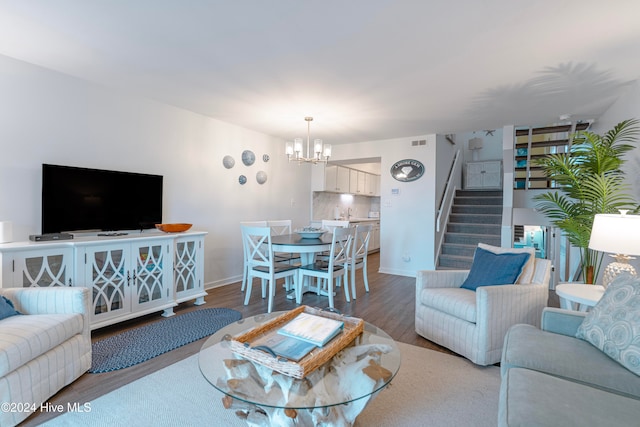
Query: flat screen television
column 81, row 199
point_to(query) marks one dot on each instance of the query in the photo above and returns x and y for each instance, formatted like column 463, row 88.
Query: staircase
column 476, row 217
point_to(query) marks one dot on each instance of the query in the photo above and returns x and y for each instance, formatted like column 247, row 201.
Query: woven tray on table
column 241, row 344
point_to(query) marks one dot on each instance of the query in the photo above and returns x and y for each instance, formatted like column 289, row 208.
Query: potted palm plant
column 590, row 181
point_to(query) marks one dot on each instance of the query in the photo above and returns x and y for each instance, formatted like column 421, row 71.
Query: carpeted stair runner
column 476, row 216
column 141, row 344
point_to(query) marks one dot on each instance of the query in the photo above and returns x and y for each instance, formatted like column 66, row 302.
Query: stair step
column 474, row 209
column 452, row 261
column 490, row 229
column 475, row 218
column 458, row 249
column 477, row 201
column 478, row 193
column 471, row 239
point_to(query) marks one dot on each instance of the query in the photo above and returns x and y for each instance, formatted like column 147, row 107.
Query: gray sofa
column 551, row 378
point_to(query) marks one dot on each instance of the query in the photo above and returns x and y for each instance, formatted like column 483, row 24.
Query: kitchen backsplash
column 324, row 205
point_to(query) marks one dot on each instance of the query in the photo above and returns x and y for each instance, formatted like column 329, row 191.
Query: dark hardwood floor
column 390, row 305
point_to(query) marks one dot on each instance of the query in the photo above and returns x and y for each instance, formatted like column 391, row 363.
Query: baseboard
column 406, row 273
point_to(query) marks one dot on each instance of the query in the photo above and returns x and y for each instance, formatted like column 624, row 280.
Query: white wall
column 626, row 107
column 407, row 219
column 48, row 117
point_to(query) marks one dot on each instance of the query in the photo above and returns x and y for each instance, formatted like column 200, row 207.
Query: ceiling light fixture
column 321, row 152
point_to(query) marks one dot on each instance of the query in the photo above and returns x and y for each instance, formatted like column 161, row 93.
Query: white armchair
column 474, row 323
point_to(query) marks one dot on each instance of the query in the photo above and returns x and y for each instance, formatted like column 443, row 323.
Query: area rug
column 141, row 344
column 431, row 389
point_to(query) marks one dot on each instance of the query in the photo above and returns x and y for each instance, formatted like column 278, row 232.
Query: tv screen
column 81, row 199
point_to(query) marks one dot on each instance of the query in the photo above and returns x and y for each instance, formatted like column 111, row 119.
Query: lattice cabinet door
column 44, row 267
column 107, row 272
column 187, row 271
column 152, row 263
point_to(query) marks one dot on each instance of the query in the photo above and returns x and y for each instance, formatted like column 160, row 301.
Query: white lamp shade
column 317, row 146
column 327, row 150
column 297, row 145
column 616, row 234
column 288, row 148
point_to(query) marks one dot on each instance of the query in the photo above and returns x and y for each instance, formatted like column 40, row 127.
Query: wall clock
column 407, row 170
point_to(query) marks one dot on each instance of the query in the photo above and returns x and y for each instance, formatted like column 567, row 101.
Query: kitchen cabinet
column 353, row 181
column 337, row 179
column 484, row 175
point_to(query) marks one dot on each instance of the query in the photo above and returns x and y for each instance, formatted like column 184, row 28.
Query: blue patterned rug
column 141, row 344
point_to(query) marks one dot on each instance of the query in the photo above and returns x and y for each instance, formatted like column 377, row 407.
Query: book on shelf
column 313, row 329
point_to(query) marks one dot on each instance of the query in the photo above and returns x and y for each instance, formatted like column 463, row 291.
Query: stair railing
column 446, row 201
column 448, row 193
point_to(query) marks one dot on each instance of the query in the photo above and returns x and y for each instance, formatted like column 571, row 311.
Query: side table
column 577, row 296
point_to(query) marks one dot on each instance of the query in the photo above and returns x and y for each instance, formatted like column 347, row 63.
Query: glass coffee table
column 334, row 394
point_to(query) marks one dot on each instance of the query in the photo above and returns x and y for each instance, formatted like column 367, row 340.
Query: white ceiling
column 364, row 69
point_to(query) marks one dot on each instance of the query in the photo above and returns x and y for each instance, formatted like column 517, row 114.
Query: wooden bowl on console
column 173, row 228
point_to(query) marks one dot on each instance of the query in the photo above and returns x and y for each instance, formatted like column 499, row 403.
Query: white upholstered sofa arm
column 439, row 279
column 54, row 300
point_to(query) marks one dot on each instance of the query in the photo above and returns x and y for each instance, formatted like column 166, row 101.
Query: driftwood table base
column 333, row 394
column 353, row 371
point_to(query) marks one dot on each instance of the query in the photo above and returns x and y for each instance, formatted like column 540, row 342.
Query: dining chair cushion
column 277, row 268
column 490, row 269
column 320, row 266
column 529, row 266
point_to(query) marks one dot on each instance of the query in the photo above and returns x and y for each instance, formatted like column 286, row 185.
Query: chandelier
column 321, row 152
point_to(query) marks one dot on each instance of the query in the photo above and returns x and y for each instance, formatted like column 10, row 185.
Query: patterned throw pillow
column 490, row 269
column 613, row 325
column 6, row 308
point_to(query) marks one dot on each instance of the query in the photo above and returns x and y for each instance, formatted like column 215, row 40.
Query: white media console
column 130, row 274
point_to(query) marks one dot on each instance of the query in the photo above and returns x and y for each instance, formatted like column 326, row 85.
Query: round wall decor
column 248, row 158
column 407, row 170
column 242, row 179
column 265, row 158
column 261, row 177
column 228, row 162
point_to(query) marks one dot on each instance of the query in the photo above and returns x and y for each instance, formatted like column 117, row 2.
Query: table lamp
column 619, row 235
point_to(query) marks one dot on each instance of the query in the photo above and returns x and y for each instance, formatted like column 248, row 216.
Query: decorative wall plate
column 407, row 170
column 261, row 177
column 228, row 162
column 265, row 158
column 242, row 179
column 248, row 158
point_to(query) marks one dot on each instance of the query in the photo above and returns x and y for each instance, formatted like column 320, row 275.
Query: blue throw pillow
column 6, row 308
column 489, row 269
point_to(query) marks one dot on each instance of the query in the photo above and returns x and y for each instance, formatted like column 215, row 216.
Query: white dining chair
column 278, row 228
column 262, row 264
column 330, row 224
column 245, row 268
column 358, row 257
column 333, row 269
